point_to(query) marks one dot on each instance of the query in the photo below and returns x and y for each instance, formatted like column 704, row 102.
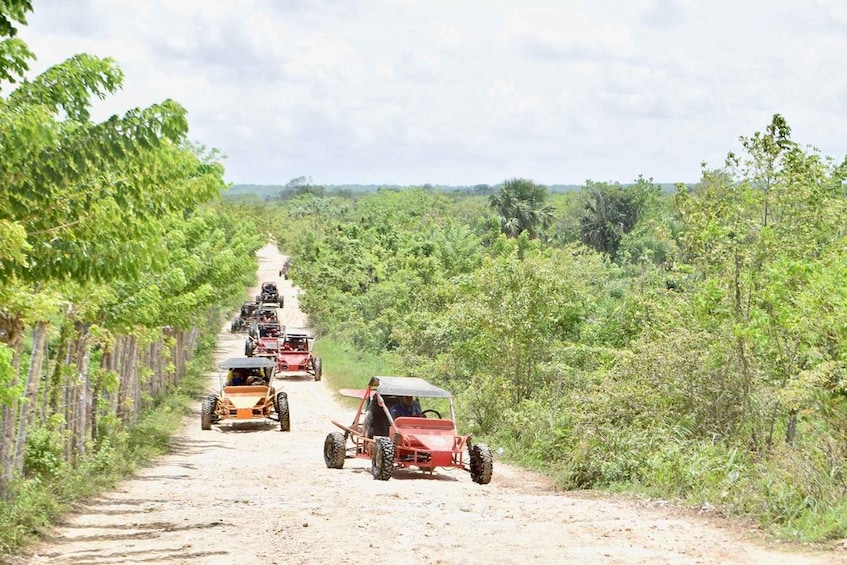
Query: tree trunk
column 128, row 382
column 30, row 398
column 54, row 385
column 123, row 381
column 82, row 398
column 9, row 421
column 115, row 362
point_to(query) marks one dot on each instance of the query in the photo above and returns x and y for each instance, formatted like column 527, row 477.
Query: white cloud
column 473, row 92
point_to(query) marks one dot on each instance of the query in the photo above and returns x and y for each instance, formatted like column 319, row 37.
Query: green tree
column 758, row 231
column 611, row 211
column 89, row 196
column 299, row 186
column 520, row 205
column 81, row 204
column 14, row 53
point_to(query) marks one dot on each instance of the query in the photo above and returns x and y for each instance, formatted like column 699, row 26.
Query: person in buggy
column 266, row 316
column 406, row 407
column 241, row 377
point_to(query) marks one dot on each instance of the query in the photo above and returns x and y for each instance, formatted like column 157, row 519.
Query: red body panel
column 355, row 392
column 427, row 442
column 293, row 360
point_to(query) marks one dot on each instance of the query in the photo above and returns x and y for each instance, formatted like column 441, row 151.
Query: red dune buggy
column 406, row 441
column 294, row 354
column 263, row 339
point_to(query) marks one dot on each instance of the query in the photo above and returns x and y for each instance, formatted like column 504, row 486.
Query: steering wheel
column 436, row 412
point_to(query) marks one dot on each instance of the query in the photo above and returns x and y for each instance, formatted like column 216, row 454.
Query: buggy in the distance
column 269, row 294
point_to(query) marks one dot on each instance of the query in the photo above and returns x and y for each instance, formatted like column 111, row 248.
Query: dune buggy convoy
column 246, row 394
column 262, row 310
column 400, row 443
column 425, row 441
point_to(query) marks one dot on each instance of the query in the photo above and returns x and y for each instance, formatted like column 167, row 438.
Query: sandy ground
column 259, row 495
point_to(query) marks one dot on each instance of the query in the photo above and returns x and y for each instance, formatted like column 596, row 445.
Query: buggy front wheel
column 282, row 413
column 207, row 410
column 382, row 459
column 334, row 450
column 481, row 463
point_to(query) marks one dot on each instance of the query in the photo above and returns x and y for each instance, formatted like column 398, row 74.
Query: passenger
column 236, row 377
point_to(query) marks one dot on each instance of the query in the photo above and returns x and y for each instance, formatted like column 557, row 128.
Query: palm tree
column 520, row 206
column 610, row 211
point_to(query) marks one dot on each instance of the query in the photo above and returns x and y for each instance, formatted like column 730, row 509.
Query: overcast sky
column 466, row 92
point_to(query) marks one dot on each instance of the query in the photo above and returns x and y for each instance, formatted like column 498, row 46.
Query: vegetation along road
column 260, row 495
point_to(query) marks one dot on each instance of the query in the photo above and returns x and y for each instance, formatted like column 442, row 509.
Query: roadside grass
column 38, row 501
column 789, row 493
column 345, row 367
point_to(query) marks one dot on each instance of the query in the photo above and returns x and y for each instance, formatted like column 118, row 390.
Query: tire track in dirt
column 256, row 494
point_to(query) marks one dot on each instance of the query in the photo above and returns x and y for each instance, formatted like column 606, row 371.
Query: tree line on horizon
column 301, row 185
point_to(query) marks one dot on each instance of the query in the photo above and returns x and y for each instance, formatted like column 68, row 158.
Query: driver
column 256, row 377
column 406, row 408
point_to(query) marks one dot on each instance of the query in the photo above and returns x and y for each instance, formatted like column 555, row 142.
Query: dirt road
column 260, row 495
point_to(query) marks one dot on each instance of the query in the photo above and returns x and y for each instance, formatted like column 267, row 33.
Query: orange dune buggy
column 247, row 394
column 399, row 443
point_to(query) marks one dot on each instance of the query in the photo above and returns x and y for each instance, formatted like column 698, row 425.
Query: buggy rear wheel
column 382, row 459
column 319, row 368
column 207, row 409
column 281, row 406
column 482, row 463
column 334, row 449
